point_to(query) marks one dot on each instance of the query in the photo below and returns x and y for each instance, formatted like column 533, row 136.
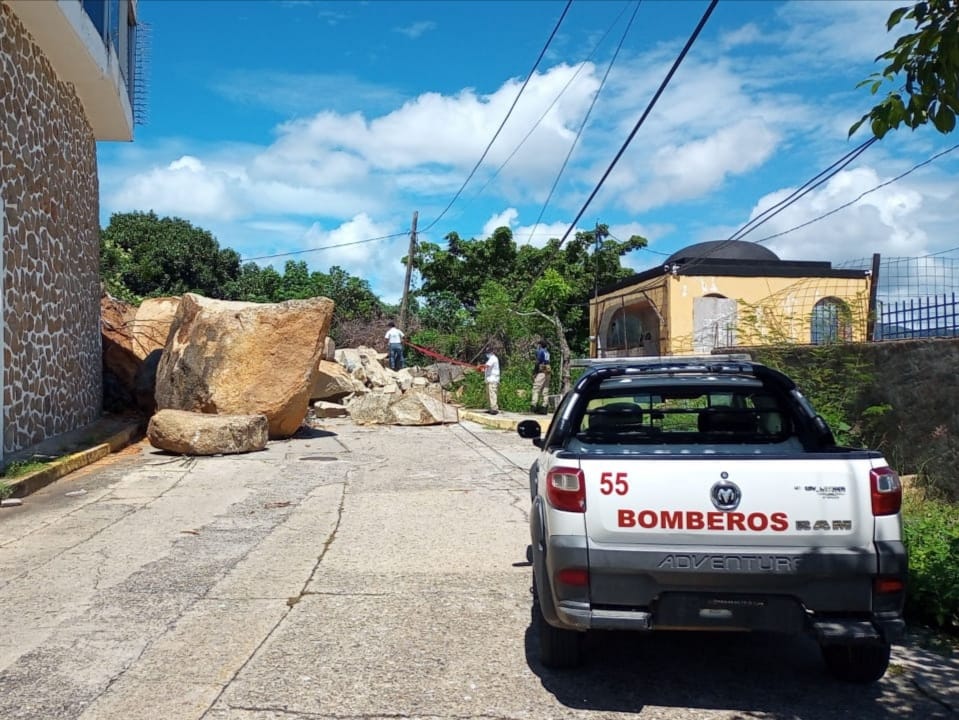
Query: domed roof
column 724, row 250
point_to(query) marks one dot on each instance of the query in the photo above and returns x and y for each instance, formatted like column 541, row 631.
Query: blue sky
column 295, row 125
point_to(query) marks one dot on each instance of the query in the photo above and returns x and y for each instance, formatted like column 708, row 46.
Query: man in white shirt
column 394, row 336
column 491, row 370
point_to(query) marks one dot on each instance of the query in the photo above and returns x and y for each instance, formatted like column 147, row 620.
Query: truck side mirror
column 530, row 430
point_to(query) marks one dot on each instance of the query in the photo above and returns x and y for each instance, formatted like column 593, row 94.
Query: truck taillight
column 566, row 489
column 886, row 491
column 578, row 577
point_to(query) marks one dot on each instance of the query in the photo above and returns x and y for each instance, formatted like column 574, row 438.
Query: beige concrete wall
column 52, row 357
column 769, row 309
column 765, row 309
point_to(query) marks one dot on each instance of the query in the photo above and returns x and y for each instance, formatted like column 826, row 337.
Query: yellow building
column 727, row 293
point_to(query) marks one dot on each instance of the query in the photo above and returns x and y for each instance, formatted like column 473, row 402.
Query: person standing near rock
column 491, row 370
column 394, row 336
column 541, row 373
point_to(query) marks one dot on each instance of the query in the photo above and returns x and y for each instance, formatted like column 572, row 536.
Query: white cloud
column 353, row 246
column 185, row 187
column 503, row 219
column 673, row 173
column 889, row 221
column 416, row 29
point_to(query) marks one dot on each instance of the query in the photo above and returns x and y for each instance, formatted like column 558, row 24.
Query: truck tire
column 857, row 663
column 558, row 648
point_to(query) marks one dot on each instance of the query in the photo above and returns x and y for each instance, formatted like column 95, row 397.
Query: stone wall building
column 67, row 72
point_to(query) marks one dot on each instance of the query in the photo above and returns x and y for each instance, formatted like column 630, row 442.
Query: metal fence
column 918, row 318
column 915, row 297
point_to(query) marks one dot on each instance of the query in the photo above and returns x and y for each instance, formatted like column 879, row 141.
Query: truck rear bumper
column 789, row 591
column 580, row 616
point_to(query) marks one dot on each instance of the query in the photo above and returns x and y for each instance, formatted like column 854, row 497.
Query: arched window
column 631, row 330
column 831, row 321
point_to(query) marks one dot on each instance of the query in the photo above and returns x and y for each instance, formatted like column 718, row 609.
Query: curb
column 31, row 482
column 495, row 421
column 501, row 422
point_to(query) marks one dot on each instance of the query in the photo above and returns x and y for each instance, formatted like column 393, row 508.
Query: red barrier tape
column 436, row 355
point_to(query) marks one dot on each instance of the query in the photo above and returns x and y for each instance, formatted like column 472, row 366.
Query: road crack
column 291, row 602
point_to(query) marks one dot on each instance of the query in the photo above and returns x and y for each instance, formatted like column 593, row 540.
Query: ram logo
column 725, row 495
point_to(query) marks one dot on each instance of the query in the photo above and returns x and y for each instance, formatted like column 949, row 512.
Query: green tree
column 353, row 297
column 296, row 282
column 256, row 284
column 464, row 268
column 143, row 255
column 923, row 67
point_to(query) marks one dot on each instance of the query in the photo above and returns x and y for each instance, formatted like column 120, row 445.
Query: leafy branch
column 924, row 67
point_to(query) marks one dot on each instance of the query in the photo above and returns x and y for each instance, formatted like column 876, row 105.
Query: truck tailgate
column 729, row 502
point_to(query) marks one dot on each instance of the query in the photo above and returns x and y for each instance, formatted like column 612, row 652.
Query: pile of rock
column 356, row 382
column 225, row 377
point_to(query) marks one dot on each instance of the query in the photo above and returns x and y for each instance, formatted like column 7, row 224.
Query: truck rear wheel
column 558, row 648
column 857, row 663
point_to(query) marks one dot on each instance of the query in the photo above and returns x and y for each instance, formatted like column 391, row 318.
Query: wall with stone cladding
column 920, row 380
column 48, row 174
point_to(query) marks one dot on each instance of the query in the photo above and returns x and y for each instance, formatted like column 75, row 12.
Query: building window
column 831, row 322
column 633, row 328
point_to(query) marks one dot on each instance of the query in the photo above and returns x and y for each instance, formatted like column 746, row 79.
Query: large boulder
column 366, row 365
column 190, row 433
column 323, row 409
column 132, row 338
column 119, row 359
column 244, row 358
column 411, row 408
column 151, row 325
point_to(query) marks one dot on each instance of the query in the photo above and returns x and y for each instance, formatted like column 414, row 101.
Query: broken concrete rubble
column 411, row 396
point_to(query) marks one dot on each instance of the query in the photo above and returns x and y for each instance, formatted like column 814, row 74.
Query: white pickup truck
column 707, row 494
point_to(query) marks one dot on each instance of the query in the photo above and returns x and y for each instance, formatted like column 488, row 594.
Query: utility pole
column 599, row 234
column 404, row 303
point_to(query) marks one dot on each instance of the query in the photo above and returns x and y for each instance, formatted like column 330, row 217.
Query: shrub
column 931, row 533
column 515, row 386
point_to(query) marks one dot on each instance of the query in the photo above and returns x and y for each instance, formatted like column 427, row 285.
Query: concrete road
column 355, row 573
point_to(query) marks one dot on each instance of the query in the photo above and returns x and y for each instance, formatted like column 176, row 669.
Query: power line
column 325, row 247
column 582, row 125
column 503, row 123
column 821, row 177
column 555, row 100
column 652, row 103
column 639, row 123
column 861, row 196
column 803, row 190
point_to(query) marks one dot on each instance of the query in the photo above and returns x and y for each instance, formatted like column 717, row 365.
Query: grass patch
column 931, row 533
column 19, row 468
column 5, row 490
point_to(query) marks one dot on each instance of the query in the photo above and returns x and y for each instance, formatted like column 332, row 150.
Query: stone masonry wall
column 920, row 380
column 48, row 174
